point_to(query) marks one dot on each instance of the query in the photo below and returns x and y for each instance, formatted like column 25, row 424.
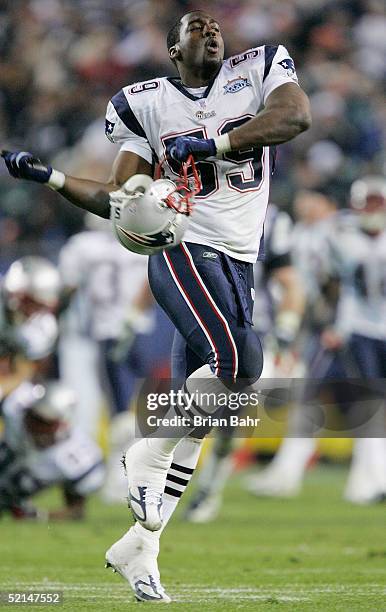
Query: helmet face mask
column 150, row 216
column 43, row 433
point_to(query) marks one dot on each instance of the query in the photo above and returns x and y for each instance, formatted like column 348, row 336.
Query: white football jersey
column 107, row 279
column 146, row 117
column 277, row 254
column 311, row 257
column 75, row 461
column 360, row 261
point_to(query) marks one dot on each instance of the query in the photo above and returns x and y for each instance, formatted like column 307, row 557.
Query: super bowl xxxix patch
column 237, row 84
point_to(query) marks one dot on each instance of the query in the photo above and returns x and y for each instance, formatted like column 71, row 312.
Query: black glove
column 22, row 164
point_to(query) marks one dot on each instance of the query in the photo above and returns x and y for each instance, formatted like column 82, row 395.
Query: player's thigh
column 230, row 283
column 204, row 303
column 180, row 298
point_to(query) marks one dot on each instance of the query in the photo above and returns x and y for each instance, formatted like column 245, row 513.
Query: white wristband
column 56, row 180
column 223, row 144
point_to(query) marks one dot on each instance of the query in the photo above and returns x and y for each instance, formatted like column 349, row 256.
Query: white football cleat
column 204, row 508
column 135, row 560
column 146, row 471
column 272, row 483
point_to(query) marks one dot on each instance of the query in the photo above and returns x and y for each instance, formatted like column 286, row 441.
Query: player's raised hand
column 22, row 164
column 184, row 146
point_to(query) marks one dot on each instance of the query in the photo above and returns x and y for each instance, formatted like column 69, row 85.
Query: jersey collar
column 176, row 82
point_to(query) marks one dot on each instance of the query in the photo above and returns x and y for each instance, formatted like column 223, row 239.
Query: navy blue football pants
column 208, row 297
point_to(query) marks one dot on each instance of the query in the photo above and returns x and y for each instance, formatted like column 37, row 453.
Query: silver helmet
column 50, row 414
column 368, row 199
column 32, row 277
column 149, row 216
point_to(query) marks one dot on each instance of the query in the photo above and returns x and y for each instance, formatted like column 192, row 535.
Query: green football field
column 315, row 552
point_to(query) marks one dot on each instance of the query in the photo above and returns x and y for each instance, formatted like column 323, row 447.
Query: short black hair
column 174, row 34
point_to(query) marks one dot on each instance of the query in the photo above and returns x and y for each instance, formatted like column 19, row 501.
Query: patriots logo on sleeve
column 288, row 65
column 109, row 128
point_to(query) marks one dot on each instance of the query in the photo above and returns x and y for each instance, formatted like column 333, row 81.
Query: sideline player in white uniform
column 226, row 114
column 352, row 249
column 315, row 213
column 40, row 448
column 358, row 256
column 110, row 303
column 109, row 294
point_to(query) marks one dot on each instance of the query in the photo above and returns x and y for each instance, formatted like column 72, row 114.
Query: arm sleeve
column 122, row 127
column 279, row 68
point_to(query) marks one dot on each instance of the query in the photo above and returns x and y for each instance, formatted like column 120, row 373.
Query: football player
column 110, row 321
column 352, row 346
column 109, row 298
column 40, row 448
column 226, row 115
column 315, row 212
column 358, row 254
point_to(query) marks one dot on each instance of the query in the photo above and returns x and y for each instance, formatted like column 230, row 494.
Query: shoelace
column 153, row 497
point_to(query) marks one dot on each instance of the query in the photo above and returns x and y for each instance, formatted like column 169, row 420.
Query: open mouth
column 212, row 46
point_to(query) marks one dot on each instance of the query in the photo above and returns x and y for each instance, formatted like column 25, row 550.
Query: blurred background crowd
column 60, row 62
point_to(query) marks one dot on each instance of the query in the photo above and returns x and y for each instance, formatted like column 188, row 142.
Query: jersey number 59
column 208, row 170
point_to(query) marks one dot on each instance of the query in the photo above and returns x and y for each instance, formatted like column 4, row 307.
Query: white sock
column 184, row 462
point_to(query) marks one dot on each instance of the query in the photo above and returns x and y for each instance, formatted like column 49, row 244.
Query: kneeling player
column 41, row 449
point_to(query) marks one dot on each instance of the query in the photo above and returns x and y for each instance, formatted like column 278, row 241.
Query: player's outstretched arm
column 86, row 194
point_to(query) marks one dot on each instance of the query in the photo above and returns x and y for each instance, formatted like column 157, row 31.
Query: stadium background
column 60, row 62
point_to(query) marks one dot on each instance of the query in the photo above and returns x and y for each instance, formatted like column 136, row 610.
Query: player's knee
column 243, row 366
column 250, row 356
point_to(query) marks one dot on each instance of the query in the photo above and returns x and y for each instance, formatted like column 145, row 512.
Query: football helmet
column 48, row 418
column 32, row 283
column 149, row 216
column 368, row 198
